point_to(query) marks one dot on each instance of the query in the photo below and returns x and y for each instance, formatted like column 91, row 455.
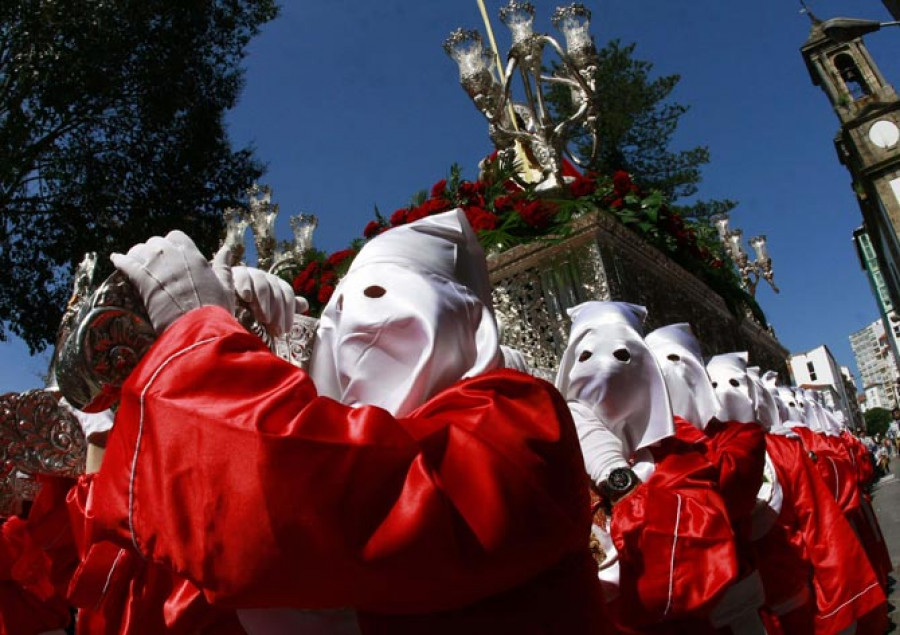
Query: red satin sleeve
column 865, row 468
column 846, row 587
column 118, row 592
column 676, row 547
column 739, row 451
column 225, row 467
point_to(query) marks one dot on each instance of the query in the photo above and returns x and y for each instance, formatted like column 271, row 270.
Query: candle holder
column 528, row 131
column 750, row 271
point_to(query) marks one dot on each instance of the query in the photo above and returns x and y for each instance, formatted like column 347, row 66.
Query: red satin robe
column 738, row 452
column 840, row 475
column 29, row 603
column 676, row 548
column 117, row 592
column 863, row 518
column 811, row 543
column 471, row 513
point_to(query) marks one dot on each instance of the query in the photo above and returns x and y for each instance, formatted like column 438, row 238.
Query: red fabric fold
column 676, row 546
column 812, row 543
column 232, row 473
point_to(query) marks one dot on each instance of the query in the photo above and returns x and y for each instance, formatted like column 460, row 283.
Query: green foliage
column 111, row 130
column 877, row 421
column 635, row 125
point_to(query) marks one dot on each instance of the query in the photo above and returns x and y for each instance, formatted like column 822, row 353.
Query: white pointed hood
column 728, row 373
column 608, row 368
column 764, row 401
column 412, row 316
column 691, row 394
column 793, row 415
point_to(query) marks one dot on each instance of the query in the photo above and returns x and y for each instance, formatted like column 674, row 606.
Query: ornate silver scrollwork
column 296, row 347
column 38, row 435
column 111, row 334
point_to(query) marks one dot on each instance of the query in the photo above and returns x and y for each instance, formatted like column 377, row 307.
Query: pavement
column 886, row 502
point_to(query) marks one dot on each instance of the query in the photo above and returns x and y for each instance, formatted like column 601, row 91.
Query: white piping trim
column 109, row 577
column 137, row 445
column 837, row 479
column 863, row 592
column 672, row 560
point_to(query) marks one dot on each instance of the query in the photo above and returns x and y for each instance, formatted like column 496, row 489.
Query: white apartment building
column 818, row 369
column 877, row 369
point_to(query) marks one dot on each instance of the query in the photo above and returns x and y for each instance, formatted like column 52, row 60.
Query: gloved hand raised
column 601, row 448
column 172, row 277
column 271, row 299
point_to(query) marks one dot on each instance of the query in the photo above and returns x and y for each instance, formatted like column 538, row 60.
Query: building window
column 812, row 371
column 853, row 79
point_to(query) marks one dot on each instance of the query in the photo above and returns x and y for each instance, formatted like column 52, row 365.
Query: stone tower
column 868, row 142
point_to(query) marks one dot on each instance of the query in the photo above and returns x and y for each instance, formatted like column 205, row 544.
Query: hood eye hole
column 585, row 355
column 715, row 384
column 673, row 358
column 374, row 291
column 734, row 382
column 792, row 404
column 622, row 354
column 340, row 303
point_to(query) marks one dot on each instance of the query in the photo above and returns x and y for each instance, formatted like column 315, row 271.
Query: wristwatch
column 619, row 482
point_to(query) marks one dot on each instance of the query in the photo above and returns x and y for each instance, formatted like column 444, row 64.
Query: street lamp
column 751, row 271
column 847, row 29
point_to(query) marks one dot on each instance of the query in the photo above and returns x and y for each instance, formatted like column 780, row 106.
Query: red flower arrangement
column 506, row 213
column 317, row 280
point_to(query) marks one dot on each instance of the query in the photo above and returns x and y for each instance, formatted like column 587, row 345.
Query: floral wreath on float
column 506, row 212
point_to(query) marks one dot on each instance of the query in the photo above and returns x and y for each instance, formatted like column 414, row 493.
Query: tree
column 635, row 125
column 111, row 130
column 877, row 420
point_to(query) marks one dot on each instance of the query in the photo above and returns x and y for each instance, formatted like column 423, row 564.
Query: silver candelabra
column 527, row 132
column 750, row 271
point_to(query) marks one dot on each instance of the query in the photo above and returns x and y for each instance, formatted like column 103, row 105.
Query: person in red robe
column 465, row 510
column 816, row 576
column 670, row 554
column 737, row 450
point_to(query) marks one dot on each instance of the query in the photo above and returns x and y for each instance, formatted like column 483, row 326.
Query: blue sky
column 354, row 104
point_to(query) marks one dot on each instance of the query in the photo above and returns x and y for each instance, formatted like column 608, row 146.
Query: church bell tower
column 868, row 142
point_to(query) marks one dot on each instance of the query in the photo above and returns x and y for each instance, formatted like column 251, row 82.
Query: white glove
column 172, row 277
column 602, row 449
column 94, row 425
column 270, row 298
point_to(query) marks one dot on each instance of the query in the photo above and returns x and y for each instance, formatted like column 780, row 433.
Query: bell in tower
column 868, row 142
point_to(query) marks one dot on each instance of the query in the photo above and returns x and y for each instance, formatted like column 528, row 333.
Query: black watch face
column 620, row 479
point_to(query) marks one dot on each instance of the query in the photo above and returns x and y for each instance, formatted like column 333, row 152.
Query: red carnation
column 399, row 217
column 416, row 213
column 582, row 186
column 439, row 189
column 328, row 277
column 617, row 204
column 537, row 214
column 429, row 207
column 622, row 183
column 504, row 203
column 325, row 293
column 472, row 192
column 373, row 228
column 480, row 219
column 337, row 258
column 305, row 282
